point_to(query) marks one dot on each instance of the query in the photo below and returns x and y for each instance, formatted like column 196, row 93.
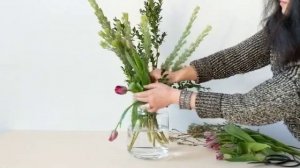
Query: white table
column 91, row 149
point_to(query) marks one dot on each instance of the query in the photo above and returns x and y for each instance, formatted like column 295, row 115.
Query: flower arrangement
column 138, row 49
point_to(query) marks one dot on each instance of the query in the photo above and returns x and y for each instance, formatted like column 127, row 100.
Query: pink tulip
column 113, row 135
column 210, row 143
column 208, row 134
column 216, row 147
column 121, row 90
column 219, row 156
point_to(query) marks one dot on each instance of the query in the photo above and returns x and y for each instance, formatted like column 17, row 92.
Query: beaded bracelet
column 185, row 99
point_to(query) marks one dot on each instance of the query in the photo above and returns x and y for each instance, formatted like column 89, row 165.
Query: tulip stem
column 134, row 137
column 149, row 124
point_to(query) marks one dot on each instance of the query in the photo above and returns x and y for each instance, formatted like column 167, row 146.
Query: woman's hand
column 156, row 74
column 187, row 73
column 158, row 96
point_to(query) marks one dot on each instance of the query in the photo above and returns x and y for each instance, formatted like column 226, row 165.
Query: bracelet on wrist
column 185, row 99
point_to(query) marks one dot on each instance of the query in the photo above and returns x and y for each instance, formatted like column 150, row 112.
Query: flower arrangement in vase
column 138, row 49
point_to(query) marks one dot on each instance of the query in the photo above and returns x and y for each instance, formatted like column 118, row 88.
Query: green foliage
column 274, row 144
column 188, row 52
column 147, row 45
column 125, row 112
column 238, row 133
column 108, row 33
column 246, row 145
column 197, row 131
column 138, row 49
column 169, row 63
column 176, row 59
column 119, row 39
column 134, row 114
column 114, row 38
column 153, row 12
column 242, row 144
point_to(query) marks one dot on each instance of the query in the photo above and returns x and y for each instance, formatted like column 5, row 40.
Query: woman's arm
column 274, row 100
column 249, row 55
column 269, row 102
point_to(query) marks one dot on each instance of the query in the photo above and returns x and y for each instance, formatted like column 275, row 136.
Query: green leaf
column 246, row 158
column 188, row 52
column 173, row 55
column 136, row 68
column 143, row 69
column 227, row 156
column 146, row 39
column 226, row 150
column 124, row 114
column 238, row 133
column 139, row 68
column 135, row 87
column 256, row 147
column 273, row 143
column 134, row 114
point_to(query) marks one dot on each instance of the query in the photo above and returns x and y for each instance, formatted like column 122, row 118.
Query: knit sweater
column 276, row 99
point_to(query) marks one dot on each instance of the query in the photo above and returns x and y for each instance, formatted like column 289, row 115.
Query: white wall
column 54, row 75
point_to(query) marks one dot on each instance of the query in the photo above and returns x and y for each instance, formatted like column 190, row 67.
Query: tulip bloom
column 113, row 135
column 208, row 134
column 121, row 90
column 210, row 143
column 219, row 156
column 216, row 147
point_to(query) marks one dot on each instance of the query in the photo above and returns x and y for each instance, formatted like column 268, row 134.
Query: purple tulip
column 113, row 135
column 121, row 90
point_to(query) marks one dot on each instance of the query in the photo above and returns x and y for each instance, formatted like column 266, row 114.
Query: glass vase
column 148, row 134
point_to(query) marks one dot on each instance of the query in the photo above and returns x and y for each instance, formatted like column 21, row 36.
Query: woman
column 274, row 100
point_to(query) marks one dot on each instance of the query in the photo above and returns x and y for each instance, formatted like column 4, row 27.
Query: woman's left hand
column 158, row 96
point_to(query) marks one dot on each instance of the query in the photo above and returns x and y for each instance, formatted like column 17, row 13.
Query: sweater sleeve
column 274, row 100
column 248, row 55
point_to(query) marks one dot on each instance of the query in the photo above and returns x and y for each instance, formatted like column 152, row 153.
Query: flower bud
column 113, row 135
column 219, row 156
column 121, row 90
column 216, row 147
column 208, row 134
column 210, row 143
column 212, row 138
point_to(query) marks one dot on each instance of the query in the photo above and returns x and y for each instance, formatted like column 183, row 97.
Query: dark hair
column 283, row 30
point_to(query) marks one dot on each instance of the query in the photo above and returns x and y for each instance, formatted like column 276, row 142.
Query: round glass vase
column 148, row 134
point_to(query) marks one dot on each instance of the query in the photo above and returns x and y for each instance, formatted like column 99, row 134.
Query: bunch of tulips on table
column 236, row 144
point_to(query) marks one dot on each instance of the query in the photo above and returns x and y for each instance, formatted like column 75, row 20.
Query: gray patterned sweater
column 277, row 99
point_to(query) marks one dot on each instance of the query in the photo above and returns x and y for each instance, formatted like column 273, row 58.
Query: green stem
column 134, row 137
column 165, row 139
